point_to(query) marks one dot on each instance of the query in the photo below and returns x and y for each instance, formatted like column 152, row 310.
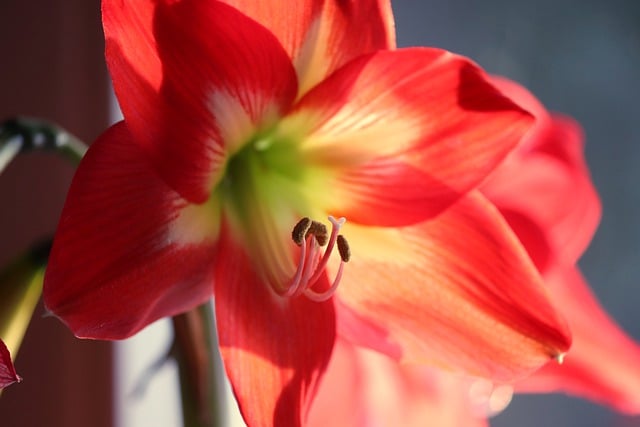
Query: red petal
column 274, row 349
column 194, row 79
column 364, row 388
column 521, row 96
column 457, row 291
column 603, row 363
column 322, row 35
column 406, row 133
column 544, row 188
column 122, row 257
column 8, row 373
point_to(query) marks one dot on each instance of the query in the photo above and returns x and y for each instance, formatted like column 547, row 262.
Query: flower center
column 267, row 186
column 310, row 236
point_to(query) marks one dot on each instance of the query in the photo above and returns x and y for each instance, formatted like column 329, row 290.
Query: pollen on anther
column 343, row 248
column 319, row 230
column 299, row 231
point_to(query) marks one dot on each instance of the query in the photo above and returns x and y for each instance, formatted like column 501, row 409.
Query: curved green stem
column 22, row 134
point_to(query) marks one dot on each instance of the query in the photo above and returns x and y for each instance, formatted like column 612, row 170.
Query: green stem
column 200, row 368
column 21, row 134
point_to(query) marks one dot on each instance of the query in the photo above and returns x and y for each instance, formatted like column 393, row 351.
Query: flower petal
column 603, row 363
column 457, row 291
column 274, row 348
column 8, row 373
column 194, row 79
column 546, row 181
column 128, row 250
column 365, row 388
column 322, row 35
column 405, row 133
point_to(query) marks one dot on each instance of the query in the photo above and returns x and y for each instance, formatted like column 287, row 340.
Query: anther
column 343, row 248
column 319, row 230
column 300, row 230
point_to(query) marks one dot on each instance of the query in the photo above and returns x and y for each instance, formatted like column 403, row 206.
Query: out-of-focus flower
column 365, row 388
column 243, row 118
column 544, row 190
column 8, row 373
column 546, row 184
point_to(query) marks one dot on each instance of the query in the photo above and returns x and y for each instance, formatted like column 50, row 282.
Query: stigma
column 312, row 236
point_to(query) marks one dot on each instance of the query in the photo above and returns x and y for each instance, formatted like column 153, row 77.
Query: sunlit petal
column 405, row 134
column 457, row 291
column 322, row 35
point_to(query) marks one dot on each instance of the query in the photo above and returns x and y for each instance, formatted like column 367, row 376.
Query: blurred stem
column 20, row 289
column 200, row 367
column 22, row 134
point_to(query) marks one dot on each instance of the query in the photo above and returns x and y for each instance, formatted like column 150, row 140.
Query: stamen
column 323, row 296
column 295, row 281
column 311, row 236
column 335, row 227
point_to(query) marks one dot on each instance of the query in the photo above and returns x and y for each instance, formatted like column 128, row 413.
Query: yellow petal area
column 196, row 224
column 235, row 124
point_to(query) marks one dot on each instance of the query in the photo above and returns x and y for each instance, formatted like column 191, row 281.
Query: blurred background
column 580, row 57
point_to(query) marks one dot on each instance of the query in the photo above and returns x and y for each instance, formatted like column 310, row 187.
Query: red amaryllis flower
column 243, row 119
column 8, row 373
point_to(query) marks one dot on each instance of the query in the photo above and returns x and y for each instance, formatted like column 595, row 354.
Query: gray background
column 582, row 58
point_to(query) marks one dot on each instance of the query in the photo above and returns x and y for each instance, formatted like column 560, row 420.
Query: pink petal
column 544, row 186
column 457, row 291
column 8, row 373
column 365, row 388
column 128, row 250
column 274, row 348
column 194, row 80
column 322, row 35
column 405, row 134
column 603, row 363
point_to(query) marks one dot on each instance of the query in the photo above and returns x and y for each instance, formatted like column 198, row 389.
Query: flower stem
column 20, row 289
column 21, row 134
column 200, row 367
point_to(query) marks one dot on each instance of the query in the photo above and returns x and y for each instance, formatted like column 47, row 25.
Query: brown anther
column 319, row 230
column 343, row 248
column 300, row 230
